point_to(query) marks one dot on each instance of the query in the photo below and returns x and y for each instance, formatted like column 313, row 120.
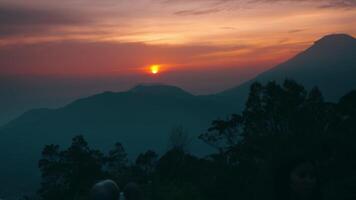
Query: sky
column 53, row 51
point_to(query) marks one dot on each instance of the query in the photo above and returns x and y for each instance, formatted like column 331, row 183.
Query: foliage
column 179, row 139
column 284, row 121
column 278, row 122
column 70, row 173
column 146, row 164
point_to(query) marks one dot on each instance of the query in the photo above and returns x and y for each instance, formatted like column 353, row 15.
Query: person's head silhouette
column 105, row 190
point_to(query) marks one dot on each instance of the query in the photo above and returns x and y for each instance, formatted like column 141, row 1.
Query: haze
column 52, row 52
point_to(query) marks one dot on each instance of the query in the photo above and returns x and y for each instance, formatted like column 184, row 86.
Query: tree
column 277, row 120
column 116, row 163
column 51, row 166
column 179, row 139
column 147, row 162
column 69, row 174
column 224, row 135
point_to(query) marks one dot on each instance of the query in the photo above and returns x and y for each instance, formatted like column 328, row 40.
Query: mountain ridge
column 159, row 89
column 315, row 66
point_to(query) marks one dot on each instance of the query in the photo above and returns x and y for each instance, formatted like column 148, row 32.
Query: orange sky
column 111, row 37
column 55, row 51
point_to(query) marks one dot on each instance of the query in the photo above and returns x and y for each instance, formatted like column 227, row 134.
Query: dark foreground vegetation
column 286, row 144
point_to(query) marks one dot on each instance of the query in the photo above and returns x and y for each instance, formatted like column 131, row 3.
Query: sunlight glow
column 154, row 69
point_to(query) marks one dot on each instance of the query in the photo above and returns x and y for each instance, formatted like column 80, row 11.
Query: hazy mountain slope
column 329, row 64
column 141, row 119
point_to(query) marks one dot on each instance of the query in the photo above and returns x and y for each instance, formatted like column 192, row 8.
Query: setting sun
column 154, row 69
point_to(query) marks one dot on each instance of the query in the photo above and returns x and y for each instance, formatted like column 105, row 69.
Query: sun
column 154, row 69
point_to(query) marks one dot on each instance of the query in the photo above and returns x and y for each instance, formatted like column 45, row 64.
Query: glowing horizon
column 91, row 38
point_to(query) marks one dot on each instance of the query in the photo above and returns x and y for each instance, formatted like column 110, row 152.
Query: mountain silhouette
column 142, row 118
column 329, row 64
column 159, row 89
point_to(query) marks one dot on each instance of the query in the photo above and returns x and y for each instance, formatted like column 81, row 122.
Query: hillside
column 329, row 64
column 140, row 119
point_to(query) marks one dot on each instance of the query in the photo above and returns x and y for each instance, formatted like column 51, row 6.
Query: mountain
column 140, row 119
column 329, row 64
column 157, row 89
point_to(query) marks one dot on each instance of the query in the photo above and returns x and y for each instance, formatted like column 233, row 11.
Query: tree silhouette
column 69, row 174
column 279, row 122
column 146, row 163
column 116, row 163
column 179, row 139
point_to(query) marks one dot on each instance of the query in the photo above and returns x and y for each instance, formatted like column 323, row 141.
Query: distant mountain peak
column 329, row 64
column 337, row 36
column 159, row 89
column 335, row 40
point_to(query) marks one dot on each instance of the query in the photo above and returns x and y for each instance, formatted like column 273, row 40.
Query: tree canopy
column 279, row 122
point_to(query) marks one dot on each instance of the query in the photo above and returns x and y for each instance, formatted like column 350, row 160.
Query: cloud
column 336, row 3
column 197, row 7
column 296, row 30
column 203, row 7
column 197, row 12
column 340, row 4
column 189, row 1
column 323, row 3
column 71, row 57
column 15, row 20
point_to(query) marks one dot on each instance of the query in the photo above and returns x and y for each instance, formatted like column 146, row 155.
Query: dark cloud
column 16, row 20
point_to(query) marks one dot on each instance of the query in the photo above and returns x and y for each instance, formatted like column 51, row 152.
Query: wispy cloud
column 322, row 3
column 218, row 22
column 340, row 4
column 296, row 30
column 197, row 12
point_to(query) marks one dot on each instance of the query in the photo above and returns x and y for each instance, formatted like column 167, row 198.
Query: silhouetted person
column 105, row 190
column 133, row 191
column 297, row 180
